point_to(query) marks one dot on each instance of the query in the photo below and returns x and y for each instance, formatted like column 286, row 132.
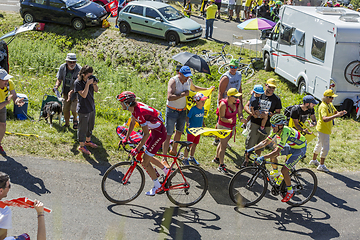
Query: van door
column 274, row 45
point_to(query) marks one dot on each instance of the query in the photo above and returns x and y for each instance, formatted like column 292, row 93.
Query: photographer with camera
column 85, row 86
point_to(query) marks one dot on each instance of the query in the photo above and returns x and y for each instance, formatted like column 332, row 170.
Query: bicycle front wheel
column 189, row 191
column 116, row 190
column 247, row 73
column 224, row 59
column 304, row 184
column 224, row 68
column 248, row 186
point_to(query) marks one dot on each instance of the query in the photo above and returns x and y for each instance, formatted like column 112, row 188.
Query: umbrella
column 193, row 61
column 256, row 24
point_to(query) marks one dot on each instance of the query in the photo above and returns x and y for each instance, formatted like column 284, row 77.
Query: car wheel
column 172, row 38
column 302, row 87
column 78, row 24
column 28, row 17
column 267, row 62
column 124, row 27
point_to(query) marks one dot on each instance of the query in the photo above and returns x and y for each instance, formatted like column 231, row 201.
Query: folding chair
column 46, row 99
column 238, row 41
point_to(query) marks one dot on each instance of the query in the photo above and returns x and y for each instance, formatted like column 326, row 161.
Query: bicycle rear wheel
column 248, row 186
column 247, row 73
column 196, row 181
column 224, row 59
column 304, row 184
column 118, row 192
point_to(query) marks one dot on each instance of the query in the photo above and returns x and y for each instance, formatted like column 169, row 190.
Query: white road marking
column 204, row 26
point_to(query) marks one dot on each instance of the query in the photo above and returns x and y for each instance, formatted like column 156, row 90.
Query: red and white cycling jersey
column 146, row 115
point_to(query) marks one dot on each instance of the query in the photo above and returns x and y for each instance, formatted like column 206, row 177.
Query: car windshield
column 76, row 3
column 170, row 13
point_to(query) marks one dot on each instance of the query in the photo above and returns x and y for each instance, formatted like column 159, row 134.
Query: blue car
column 76, row 13
column 159, row 20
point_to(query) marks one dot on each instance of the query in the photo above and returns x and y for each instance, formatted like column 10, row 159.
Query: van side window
column 275, row 32
column 285, row 34
column 298, row 37
column 318, row 48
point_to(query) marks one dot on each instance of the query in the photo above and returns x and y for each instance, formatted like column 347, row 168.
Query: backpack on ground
column 347, row 105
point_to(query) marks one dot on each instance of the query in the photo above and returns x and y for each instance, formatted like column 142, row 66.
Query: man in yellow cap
column 327, row 114
column 270, row 104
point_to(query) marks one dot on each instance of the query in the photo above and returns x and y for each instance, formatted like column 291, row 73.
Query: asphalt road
column 80, row 211
column 223, row 29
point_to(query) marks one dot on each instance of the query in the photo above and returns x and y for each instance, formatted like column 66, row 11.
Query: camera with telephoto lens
column 94, row 78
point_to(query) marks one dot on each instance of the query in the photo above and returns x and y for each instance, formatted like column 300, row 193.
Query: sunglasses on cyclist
column 273, row 125
column 233, row 67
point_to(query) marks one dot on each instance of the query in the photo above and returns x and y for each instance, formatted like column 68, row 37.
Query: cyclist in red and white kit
column 149, row 119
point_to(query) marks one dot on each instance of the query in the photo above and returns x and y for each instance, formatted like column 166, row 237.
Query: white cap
column 4, row 75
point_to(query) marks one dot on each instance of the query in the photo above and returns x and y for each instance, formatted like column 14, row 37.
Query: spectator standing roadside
column 210, row 18
column 247, row 9
column 264, row 10
column 194, row 119
column 228, row 109
column 270, row 104
column 230, row 79
column 231, row 7
column 85, row 86
column 6, row 215
column 300, row 113
column 188, row 8
column 327, row 114
column 255, row 108
column 6, row 86
column 175, row 115
column 238, row 6
column 203, row 6
column 66, row 76
column 218, row 4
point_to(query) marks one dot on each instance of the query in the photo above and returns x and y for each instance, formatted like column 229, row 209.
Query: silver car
column 159, row 20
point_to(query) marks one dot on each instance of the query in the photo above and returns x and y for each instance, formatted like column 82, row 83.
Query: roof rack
column 330, row 11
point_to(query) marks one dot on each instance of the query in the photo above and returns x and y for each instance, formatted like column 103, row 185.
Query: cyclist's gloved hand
column 124, row 142
column 250, row 150
column 134, row 152
column 259, row 160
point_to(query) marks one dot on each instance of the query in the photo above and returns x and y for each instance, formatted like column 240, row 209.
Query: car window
column 42, row 2
column 151, row 13
column 76, row 3
column 138, row 10
column 126, row 9
column 56, row 3
column 170, row 13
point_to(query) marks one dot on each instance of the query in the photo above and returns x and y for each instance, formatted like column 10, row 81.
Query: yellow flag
column 190, row 101
column 220, row 133
column 308, row 137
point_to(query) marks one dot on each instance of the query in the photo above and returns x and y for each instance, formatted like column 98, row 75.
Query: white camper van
column 317, row 48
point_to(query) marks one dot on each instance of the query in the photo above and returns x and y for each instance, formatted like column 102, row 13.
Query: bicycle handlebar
column 253, row 156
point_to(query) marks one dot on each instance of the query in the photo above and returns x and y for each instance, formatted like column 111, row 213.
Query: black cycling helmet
column 126, row 97
column 278, row 119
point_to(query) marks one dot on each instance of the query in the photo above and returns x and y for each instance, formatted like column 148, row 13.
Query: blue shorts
column 172, row 118
column 292, row 155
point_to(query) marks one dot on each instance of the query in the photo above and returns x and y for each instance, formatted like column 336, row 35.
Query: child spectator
column 194, row 119
column 255, row 106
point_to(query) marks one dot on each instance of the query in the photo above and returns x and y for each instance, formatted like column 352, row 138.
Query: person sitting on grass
column 194, row 119
column 255, row 108
column 188, row 9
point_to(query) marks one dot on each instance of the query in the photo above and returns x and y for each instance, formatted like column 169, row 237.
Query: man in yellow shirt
column 327, row 114
column 210, row 9
column 6, row 86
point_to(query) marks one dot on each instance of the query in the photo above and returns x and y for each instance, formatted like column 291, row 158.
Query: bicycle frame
column 139, row 158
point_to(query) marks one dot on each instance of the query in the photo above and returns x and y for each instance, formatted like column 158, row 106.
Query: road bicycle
column 246, row 70
column 219, row 58
column 249, row 185
column 185, row 186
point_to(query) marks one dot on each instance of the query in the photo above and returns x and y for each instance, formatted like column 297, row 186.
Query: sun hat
column 271, row 82
column 234, row 62
column 71, row 57
column 200, row 97
column 185, row 70
column 258, row 89
column 233, row 92
column 329, row 93
column 4, row 75
column 310, row 99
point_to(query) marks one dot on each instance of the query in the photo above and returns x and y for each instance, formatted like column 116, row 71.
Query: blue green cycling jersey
column 290, row 136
